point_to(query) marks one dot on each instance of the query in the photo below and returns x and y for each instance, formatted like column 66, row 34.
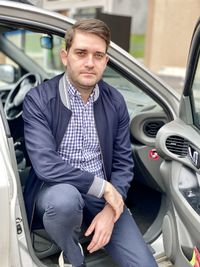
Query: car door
column 9, row 207
column 178, row 142
column 4, row 199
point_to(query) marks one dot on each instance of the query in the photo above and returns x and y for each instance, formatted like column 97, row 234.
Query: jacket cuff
column 97, row 187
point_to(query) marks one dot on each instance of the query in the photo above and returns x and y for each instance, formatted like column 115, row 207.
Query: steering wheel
column 13, row 104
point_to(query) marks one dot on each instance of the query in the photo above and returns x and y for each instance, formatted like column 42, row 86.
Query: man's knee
column 64, row 200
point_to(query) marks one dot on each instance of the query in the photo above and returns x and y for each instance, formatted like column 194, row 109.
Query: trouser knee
column 61, row 202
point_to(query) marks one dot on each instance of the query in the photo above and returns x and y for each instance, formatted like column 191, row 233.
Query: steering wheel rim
column 13, row 104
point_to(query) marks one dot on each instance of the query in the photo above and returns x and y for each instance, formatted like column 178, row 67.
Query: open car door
column 6, row 194
column 4, row 205
column 179, row 144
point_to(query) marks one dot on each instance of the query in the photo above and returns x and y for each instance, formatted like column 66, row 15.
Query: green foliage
column 137, row 43
column 33, row 42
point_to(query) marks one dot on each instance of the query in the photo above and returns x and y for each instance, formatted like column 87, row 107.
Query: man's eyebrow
column 100, row 52
column 80, row 49
column 85, row 50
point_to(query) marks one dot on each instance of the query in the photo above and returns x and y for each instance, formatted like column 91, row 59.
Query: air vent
column 177, row 145
column 151, row 128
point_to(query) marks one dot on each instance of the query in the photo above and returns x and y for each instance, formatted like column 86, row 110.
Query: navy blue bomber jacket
column 46, row 116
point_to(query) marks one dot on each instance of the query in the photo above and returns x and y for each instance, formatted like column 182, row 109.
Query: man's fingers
column 91, row 246
column 90, row 229
column 95, row 245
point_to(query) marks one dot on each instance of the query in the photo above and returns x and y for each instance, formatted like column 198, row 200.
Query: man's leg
column 127, row 246
column 60, row 207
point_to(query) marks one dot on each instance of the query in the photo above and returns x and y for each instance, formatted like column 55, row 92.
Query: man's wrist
column 107, row 187
column 109, row 207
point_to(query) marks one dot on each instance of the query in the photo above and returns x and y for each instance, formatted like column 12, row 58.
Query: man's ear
column 107, row 58
column 63, row 56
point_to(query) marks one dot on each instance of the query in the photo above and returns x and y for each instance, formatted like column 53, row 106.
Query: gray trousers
column 63, row 210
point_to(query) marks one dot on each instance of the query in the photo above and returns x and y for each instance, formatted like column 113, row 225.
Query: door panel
column 180, row 175
column 181, row 225
column 178, row 142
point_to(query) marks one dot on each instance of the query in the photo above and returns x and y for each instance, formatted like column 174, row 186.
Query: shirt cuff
column 97, row 187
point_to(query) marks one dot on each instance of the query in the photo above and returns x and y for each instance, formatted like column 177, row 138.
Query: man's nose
column 90, row 61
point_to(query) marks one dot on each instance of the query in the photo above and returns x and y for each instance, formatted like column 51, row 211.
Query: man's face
column 85, row 60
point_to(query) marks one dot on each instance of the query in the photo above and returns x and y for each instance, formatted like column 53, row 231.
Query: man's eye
column 80, row 53
column 99, row 55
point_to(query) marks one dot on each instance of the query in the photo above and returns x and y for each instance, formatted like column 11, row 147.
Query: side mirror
column 46, row 41
column 8, row 73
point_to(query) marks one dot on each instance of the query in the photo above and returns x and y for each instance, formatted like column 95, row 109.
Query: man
column 77, row 136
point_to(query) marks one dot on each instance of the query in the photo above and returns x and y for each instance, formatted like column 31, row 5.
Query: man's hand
column 102, row 226
column 112, row 196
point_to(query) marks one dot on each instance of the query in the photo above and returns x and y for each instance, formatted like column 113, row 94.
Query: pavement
column 165, row 264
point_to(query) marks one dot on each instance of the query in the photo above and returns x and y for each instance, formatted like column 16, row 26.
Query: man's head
column 93, row 26
column 85, row 55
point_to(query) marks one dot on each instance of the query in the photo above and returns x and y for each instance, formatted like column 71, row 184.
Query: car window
column 6, row 60
column 31, row 43
column 195, row 97
column 43, row 50
column 135, row 98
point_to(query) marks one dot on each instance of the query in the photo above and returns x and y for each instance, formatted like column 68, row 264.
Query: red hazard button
column 153, row 154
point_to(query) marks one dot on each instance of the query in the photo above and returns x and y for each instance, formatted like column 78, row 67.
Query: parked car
column 164, row 197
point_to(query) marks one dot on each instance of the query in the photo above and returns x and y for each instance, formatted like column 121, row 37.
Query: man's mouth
column 88, row 73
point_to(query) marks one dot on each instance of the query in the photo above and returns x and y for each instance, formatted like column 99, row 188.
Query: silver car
column 164, row 197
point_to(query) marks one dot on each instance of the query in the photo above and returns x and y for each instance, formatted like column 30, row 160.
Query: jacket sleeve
column 41, row 148
column 122, row 164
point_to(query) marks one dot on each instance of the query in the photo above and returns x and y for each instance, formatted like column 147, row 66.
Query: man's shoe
column 61, row 261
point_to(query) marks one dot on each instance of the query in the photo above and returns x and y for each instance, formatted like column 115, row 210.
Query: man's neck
column 84, row 92
column 85, row 95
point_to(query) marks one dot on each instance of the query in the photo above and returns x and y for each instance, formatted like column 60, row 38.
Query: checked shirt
column 80, row 145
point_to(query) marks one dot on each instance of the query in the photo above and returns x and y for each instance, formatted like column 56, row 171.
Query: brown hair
column 93, row 26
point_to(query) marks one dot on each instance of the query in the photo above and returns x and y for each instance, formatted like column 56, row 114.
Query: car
column 164, row 197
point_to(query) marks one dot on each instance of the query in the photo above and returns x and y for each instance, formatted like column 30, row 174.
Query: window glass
column 135, row 98
column 43, row 50
column 4, row 62
column 45, row 54
column 195, row 96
